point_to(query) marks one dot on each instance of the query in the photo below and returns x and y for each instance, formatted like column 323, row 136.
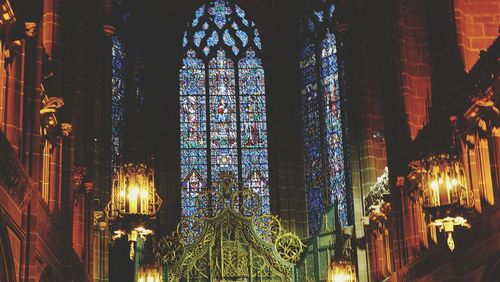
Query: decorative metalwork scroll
column 230, row 241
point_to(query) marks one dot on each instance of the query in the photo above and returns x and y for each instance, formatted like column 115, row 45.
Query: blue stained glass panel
column 219, row 11
column 223, row 161
column 228, row 39
column 253, row 127
column 240, row 12
column 223, row 135
column 195, row 22
column 193, row 175
column 331, row 10
column 319, row 15
column 210, row 111
column 333, row 124
column 213, row 39
column 198, row 36
column 256, row 40
column 200, row 12
column 236, row 50
column 117, row 99
column 184, row 40
column 193, row 131
column 312, row 137
column 243, row 37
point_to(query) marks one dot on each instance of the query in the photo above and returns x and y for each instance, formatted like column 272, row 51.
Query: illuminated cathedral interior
column 249, row 140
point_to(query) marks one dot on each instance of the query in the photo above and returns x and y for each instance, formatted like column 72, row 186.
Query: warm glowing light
column 341, row 277
column 133, row 192
column 445, row 194
column 434, row 185
column 342, row 271
column 448, row 185
column 150, row 274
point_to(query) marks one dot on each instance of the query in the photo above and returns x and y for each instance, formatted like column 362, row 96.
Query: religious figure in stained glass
column 222, row 101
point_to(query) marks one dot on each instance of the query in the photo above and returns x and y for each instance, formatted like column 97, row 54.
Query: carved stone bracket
column 79, row 174
column 13, row 32
column 82, row 184
column 484, row 114
column 66, row 129
column 379, row 218
column 49, row 121
column 30, row 29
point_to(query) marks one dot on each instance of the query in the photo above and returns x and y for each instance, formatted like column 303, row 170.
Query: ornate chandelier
column 133, row 192
column 444, row 193
column 134, row 202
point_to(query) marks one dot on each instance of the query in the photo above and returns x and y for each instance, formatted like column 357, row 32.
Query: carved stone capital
column 30, row 29
column 79, row 174
column 66, row 129
column 49, row 121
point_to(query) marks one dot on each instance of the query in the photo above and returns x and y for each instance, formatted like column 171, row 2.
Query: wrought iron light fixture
column 341, row 268
column 134, row 202
column 442, row 189
column 342, row 271
column 443, row 193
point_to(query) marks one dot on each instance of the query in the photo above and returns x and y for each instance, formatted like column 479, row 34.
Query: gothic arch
column 223, row 123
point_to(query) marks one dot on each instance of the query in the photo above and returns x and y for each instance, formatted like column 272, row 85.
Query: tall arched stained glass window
column 117, row 98
column 324, row 155
column 222, row 104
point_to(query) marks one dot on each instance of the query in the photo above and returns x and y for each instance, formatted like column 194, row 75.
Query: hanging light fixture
column 341, row 271
column 443, row 190
column 341, row 268
column 444, row 193
column 134, row 202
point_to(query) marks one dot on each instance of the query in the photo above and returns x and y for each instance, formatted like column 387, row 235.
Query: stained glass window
column 223, row 131
column 117, row 98
column 333, row 124
column 312, row 136
column 222, row 104
column 193, row 131
column 253, row 127
column 324, row 156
